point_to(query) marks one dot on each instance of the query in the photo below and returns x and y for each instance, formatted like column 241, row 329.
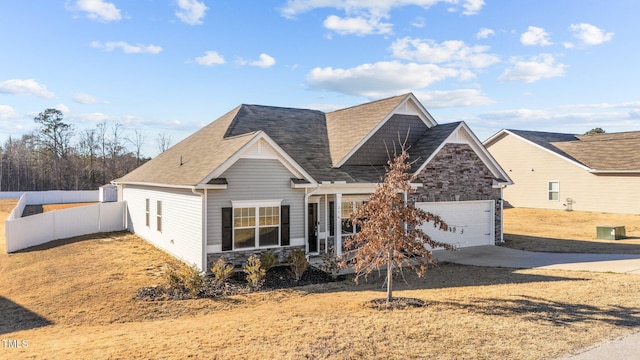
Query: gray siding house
column 263, row 177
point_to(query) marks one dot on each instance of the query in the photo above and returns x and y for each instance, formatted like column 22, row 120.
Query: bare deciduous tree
column 164, row 142
column 390, row 229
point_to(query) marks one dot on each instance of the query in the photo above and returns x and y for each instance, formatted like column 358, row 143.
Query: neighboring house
column 598, row 173
column 263, row 177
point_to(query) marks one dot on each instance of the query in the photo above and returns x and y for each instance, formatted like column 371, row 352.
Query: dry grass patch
column 568, row 231
column 51, row 207
column 75, row 299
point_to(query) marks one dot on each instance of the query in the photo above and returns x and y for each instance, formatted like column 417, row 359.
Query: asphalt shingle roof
column 603, row 152
column 305, row 135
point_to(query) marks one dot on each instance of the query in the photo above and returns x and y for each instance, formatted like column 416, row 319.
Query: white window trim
column 256, row 204
column 549, row 191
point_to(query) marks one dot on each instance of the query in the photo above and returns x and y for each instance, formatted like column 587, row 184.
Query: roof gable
column 458, row 133
column 612, row 152
column 348, row 129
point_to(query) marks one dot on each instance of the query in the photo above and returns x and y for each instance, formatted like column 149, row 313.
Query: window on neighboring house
column 159, row 215
column 554, row 190
column 254, row 226
column 147, row 215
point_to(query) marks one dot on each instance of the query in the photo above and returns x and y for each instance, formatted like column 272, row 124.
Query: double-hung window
column 147, row 210
column 256, row 225
column 159, row 215
column 554, row 190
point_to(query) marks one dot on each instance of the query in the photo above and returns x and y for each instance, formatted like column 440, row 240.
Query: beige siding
column 531, row 168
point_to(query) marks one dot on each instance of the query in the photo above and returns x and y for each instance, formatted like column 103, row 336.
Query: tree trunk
column 389, row 277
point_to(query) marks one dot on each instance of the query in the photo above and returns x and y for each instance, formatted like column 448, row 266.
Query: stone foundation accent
column 456, row 173
column 239, row 258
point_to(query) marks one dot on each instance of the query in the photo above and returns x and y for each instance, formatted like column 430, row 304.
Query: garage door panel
column 471, row 220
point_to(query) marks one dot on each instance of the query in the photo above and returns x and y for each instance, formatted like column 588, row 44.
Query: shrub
column 298, row 263
column 221, row 270
column 173, row 278
column 268, row 259
column 193, row 279
column 185, row 277
column 255, row 272
column 330, row 264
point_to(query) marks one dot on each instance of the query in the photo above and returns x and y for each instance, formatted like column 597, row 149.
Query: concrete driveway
column 499, row 256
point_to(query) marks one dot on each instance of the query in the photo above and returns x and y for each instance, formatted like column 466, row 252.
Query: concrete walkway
column 499, row 256
column 627, row 347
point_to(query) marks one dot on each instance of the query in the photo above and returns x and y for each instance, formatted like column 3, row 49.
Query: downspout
column 203, row 196
column 502, row 214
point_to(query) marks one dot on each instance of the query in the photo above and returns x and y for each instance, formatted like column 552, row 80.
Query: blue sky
column 172, row 66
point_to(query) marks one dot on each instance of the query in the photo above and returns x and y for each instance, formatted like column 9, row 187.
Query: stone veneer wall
column 239, row 258
column 457, row 170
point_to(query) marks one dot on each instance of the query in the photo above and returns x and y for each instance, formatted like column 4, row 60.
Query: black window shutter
column 227, row 228
column 332, row 218
column 284, row 225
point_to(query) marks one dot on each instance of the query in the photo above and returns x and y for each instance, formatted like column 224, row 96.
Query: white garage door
column 473, row 221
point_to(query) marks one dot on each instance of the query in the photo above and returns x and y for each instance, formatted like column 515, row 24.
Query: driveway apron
column 499, row 256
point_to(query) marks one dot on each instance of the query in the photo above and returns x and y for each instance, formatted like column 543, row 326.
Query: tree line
column 57, row 157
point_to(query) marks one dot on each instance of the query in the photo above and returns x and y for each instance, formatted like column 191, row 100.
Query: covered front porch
column 327, row 217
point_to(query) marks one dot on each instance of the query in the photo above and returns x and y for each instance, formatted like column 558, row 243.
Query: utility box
column 611, row 232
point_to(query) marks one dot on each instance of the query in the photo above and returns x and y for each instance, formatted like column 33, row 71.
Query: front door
column 313, row 227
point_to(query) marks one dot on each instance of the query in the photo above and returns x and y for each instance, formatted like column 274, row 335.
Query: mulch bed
column 278, row 277
column 395, row 303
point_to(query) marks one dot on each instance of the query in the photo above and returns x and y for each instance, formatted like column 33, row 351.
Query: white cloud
column 568, row 45
column 365, row 17
column 191, row 11
column 7, row 113
column 537, row 68
column 25, row 87
column 127, row 48
column 63, row 108
column 455, row 52
column 264, row 62
column 99, row 10
column 590, row 34
column 484, row 33
column 210, row 58
column 295, row 7
column 378, row 79
column 472, row 7
column 535, row 36
column 87, row 99
column 357, row 25
column 453, row 98
column 418, row 22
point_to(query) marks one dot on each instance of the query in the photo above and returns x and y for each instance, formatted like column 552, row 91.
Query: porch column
column 338, row 224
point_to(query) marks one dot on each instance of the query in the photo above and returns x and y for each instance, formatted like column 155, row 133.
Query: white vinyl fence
column 53, row 196
column 38, row 229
